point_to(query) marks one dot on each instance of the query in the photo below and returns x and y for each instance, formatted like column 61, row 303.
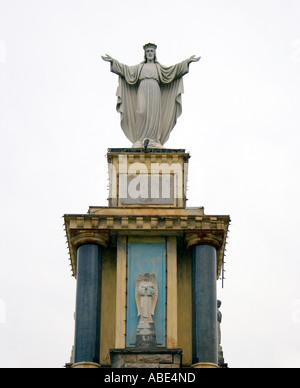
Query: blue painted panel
column 142, row 258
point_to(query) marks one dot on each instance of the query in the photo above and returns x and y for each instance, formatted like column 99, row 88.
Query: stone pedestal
column 156, row 178
column 146, row 358
column 145, row 335
column 146, row 228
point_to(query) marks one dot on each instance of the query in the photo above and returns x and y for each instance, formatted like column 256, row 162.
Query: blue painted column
column 204, row 291
column 88, row 305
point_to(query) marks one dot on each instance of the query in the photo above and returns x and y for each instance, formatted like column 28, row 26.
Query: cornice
column 192, row 224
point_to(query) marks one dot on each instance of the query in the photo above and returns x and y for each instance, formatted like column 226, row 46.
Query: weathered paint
column 121, row 293
column 108, row 305
column 172, row 327
column 146, row 257
column 184, row 275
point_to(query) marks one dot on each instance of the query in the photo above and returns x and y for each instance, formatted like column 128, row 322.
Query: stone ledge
column 149, row 150
column 190, row 222
column 150, row 358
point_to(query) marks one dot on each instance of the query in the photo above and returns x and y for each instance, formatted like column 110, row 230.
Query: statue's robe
column 149, row 100
column 146, row 292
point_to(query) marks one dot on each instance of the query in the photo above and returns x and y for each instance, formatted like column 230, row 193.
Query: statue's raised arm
column 149, row 97
column 107, row 58
column 194, row 59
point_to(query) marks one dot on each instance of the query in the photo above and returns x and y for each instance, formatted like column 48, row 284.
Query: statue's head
column 150, row 52
column 147, row 277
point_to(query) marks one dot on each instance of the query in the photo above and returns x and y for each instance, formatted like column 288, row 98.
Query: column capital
column 82, row 237
column 204, row 237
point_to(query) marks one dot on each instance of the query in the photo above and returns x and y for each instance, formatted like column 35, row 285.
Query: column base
column 86, row 365
column 205, row 365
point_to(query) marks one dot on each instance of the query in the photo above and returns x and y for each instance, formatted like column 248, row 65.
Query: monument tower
column 146, row 265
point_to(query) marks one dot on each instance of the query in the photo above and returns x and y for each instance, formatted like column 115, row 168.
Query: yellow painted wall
column 108, row 305
column 184, row 275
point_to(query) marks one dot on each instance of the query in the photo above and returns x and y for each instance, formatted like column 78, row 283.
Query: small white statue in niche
column 146, row 296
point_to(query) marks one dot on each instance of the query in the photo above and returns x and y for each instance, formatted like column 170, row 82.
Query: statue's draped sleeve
column 171, row 85
column 127, row 96
column 169, row 74
column 129, row 73
column 171, row 90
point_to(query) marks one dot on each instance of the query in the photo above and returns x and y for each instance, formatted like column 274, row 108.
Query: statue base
column 150, row 177
column 145, row 336
column 146, row 358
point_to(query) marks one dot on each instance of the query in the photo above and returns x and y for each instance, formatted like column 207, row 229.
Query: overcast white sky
column 240, row 122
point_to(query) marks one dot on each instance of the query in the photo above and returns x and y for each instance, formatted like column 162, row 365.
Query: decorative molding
column 147, row 221
column 82, row 237
column 190, row 223
column 205, row 365
column 207, row 237
column 78, row 236
column 86, row 365
column 216, row 238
